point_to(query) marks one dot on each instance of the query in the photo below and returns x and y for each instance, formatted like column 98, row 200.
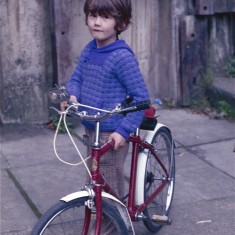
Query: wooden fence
column 176, row 42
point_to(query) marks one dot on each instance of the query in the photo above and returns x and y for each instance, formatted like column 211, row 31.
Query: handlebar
column 60, row 94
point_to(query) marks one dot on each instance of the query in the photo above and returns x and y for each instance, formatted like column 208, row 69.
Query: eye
column 92, row 15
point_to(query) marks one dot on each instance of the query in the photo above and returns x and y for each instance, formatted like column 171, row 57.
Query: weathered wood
column 204, row 7
column 225, row 6
column 173, row 45
column 70, row 36
column 153, row 52
column 193, row 56
column 222, row 40
column 211, row 7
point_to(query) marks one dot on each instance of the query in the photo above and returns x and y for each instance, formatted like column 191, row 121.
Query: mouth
column 97, row 30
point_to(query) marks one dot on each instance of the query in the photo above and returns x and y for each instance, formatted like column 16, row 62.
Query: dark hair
column 119, row 9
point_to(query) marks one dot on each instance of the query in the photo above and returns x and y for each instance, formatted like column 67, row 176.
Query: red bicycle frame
column 138, row 143
column 100, row 183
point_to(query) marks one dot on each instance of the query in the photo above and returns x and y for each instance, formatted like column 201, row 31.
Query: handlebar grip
column 143, row 105
column 133, row 107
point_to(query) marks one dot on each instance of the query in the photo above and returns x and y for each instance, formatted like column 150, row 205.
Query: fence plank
column 193, row 56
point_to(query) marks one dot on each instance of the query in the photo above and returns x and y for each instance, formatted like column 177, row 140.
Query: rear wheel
column 67, row 218
column 154, row 176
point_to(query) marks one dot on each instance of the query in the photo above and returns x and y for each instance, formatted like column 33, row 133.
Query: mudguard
column 118, row 204
column 141, row 165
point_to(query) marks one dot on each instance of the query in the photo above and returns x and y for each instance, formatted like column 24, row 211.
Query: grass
column 202, row 103
column 226, row 108
column 53, row 123
column 230, row 67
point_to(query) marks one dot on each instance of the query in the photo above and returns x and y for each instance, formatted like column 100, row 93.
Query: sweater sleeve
column 129, row 74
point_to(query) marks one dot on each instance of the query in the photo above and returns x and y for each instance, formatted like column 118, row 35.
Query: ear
column 122, row 27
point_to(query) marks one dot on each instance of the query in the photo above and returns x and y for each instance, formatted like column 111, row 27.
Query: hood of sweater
column 99, row 55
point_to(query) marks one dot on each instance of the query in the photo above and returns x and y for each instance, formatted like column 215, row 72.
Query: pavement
column 33, row 179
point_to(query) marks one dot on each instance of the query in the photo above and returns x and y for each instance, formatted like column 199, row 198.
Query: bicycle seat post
column 137, row 132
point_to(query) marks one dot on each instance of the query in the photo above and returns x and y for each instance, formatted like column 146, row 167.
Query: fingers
column 112, row 138
column 118, row 139
column 63, row 105
column 73, row 99
column 117, row 145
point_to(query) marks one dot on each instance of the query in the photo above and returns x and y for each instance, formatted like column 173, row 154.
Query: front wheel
column 67, row 218
column 154, row 176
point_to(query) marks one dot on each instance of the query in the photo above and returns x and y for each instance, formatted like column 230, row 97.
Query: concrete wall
column 25, row 65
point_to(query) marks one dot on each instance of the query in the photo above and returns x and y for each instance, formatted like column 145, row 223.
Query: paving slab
column 219, row 155
column 205, row 191
column 16, row 215
column 46, row 187
column 204, row 198
column 38, row 148
column 190, row 129
column 202, row 218
column 209, row 217
column 197, row 181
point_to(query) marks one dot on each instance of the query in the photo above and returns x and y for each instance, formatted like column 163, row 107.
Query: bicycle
column 151, row 187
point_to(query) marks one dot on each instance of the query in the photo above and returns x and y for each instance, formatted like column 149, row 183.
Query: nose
column 98, row 21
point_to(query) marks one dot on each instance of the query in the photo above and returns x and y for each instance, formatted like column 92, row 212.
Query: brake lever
column 58, row 94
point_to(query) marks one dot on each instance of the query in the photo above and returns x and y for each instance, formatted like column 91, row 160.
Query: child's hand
column 118, row 139
column 64, row 104
column 73, row 99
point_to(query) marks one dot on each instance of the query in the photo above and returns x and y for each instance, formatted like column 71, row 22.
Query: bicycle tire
column 163, row 144
column 67, row 218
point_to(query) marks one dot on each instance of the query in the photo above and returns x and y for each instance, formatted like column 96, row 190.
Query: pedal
column 161, row 219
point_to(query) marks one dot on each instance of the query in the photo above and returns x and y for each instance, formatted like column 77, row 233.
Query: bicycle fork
column 95, row 190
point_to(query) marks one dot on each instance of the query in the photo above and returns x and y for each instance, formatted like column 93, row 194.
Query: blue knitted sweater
column 103, row 78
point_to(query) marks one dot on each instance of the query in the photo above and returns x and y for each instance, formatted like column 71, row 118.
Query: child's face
column 102, row 29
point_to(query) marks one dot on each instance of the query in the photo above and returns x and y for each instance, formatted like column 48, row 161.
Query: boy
column 107, row 72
